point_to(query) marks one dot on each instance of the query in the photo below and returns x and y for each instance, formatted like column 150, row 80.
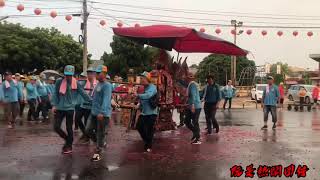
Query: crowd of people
column 86, row 103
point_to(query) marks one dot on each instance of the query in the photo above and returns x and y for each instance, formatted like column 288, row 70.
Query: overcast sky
column 271, row 48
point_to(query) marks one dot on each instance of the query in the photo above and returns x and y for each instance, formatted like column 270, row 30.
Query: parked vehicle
column 293, row 93
column 257, row 92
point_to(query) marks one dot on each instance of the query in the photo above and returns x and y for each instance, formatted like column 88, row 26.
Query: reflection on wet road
column 33, row 152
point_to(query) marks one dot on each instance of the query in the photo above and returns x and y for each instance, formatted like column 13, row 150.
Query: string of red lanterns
column 310, row 33
column 119, row 24
column 137, row 25
column 218, row 30
column 37, row 11
column 103, row 22
column 54, row 14
column 68, row 17
column 2, row 3
column 20, row 7
column 264, row 33
column 233, row 31
column 280, row 33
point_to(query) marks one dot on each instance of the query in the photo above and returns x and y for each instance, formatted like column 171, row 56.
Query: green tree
column 219, row 66
column 126, row 54
column 23, row 49
column 284, row 70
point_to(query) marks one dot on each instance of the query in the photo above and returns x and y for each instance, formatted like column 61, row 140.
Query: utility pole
column 235, row 24
column 85, row 35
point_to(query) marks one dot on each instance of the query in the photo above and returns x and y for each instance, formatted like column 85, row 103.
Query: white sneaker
column 96, row 157
column 149, row 150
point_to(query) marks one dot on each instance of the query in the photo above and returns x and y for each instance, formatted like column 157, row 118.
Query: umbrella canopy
column 49, row 73
column 181, row 39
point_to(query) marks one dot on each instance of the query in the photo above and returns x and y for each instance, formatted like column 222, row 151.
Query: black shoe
column 264, row 127
column 84, row 140
column 193, row 138
column 274, row 126
column 67, row 150
column 180, row 125
column 196, row 142
column 217, row 129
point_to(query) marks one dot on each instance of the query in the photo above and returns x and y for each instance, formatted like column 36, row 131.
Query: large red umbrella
column 181, row 39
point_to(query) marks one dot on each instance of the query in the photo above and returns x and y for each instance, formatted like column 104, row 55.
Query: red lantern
column 119, row 24
column 280, row 33
column 20, row 7
column 249, row 31
column 310, row 33
column 37, row 11
column 102, row 22
column 68, row 17
column 2, row 3
column 233, row 31
column 53, row 14
column 218, row 30
column 202, row 30
column 137, row 25
column 295, row 33
column 264, row 32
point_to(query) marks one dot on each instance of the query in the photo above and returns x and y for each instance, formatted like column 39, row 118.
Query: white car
column 293, row 93
column 257, row 92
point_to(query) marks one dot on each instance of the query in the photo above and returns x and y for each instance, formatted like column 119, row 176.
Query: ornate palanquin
column 169, row 78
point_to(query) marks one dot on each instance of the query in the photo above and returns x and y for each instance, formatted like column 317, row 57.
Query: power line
column 113, row 17
column 32, row 16
column 169, row 9
column 209, row 24
column 46, row 2
column 196, row 11
column 217, row 13
column 48, row 7
column 200, row 19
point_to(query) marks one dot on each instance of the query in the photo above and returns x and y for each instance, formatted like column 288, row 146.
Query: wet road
column 33, row 151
